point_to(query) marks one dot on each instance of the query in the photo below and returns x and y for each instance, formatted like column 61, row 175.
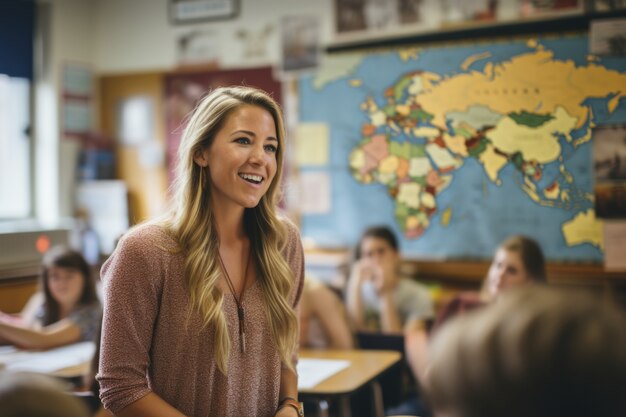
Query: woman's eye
column 243, row 141
column 271, row 148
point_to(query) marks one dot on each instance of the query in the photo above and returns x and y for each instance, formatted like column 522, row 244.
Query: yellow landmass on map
column 408, row 194
column 387, row 169
column 584, row 228
column 426, row 132
column 553, row 194
column 456, row 144
column 493, row 163
column 533, row 82
column 446, row 216
column 534, row 143
column 419, row 167
column 442, row 157
column 409, row 54
column 474, row 58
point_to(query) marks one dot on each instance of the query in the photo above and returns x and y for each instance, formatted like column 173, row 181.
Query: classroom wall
column 123, row 37
column 137, row 35
column 66, row 31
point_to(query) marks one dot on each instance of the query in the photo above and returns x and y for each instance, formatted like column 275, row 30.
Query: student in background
column 519, row 260
column 323, row 318
column 537, row 352
column 200, row 306
column 31, row 395
column 65, row 311
column 378, row 298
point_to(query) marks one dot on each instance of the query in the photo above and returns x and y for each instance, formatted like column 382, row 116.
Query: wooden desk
column 365, row 367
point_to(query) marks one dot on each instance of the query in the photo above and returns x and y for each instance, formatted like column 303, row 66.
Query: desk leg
column 344, row 402
column 377, row 392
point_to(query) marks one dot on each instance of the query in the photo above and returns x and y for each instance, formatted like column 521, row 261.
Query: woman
column 200, row 313
column 66, row 311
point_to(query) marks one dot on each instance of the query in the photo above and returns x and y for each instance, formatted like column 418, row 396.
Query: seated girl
column 65, row 311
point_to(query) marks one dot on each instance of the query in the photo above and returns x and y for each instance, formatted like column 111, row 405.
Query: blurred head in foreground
column 538, row 352
column 30, row 395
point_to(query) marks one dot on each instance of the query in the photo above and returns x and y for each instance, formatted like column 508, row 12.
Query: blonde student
column 200, row 307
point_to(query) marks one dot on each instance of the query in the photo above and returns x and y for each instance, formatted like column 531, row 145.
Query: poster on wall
column 609, row 167
column 185, row 89
column 76, row 100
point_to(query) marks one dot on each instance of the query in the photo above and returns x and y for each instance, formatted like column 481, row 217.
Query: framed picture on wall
column 191, row 11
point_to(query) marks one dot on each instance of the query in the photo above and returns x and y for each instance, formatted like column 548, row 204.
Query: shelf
column 534, row 26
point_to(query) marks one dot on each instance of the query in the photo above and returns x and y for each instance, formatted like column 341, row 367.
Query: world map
column 458, row 147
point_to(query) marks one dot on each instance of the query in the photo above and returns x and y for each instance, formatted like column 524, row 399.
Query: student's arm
column 28, row 313
column 331, row 313
column 149, row 406
column 354, row 296
column 389, row 317
column 61, row 333
column 416, row 347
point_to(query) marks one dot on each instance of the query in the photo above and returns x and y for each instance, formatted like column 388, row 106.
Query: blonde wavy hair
column 192, row 224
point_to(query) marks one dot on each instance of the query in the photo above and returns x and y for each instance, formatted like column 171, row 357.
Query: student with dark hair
column 200, row 306
column 381, row 300
column 378, row 297
column 538, row 351
column 65, row 311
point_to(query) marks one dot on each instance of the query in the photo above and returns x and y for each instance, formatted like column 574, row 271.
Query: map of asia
column 458, row 146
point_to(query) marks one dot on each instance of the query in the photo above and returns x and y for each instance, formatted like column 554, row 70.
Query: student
column 517, row 261
column 32, row 395
column 323, row 318
column 378, row 298
column 66, row 311
column 199, row 315
column 537, row 352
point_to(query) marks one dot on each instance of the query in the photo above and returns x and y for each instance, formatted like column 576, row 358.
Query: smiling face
column 507, row 270
column 241, row 160
column 65, row 285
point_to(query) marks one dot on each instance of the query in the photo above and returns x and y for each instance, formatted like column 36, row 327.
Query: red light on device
column 43, row 243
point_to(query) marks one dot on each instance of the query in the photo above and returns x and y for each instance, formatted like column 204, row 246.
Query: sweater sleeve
column 130, row 310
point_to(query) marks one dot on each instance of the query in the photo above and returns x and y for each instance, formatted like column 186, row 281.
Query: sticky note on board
column 312, row 140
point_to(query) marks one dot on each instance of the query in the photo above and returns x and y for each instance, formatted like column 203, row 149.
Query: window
column 15, row 148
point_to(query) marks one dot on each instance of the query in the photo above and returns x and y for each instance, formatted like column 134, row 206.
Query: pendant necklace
column 238, row 299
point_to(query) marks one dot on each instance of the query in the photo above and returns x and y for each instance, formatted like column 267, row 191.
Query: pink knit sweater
column 148, row 347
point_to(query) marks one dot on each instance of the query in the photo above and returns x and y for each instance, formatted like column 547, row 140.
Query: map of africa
column 457, row 147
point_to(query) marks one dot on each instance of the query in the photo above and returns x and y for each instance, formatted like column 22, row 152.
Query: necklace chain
column 238, row 299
